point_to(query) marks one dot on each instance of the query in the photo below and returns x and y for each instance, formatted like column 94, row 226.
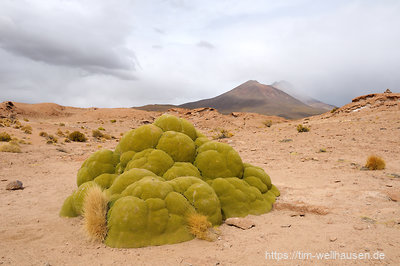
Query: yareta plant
column 165, row 183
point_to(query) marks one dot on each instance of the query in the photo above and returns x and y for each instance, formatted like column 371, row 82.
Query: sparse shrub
column 199, row 226
column 10, row 147
column 101, row 128
column 77, row 136
column 322, row 150
column 334, row 109
column 113, row 120
column 82, row 127
column 223, row 133
column 26, row 119
column 60, row 133
column 375, row 163
column 61, row 125
column 43, row 134
column 27, row 129
column 4, row 136
column 17, row 124
column 97, row 134
column 106, row 136
column 268, row 123
column 95, row 207
column 51, row 139
column 67, row 140
column 301, row 128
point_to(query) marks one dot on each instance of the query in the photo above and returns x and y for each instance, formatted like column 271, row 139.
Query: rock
column 394, row 175
column 15, row 185
column 359, row 227
column 395, row 196
column 388, row 91
column 286, row 225
column 241, row 223
column 227, row 245
column 333, row 238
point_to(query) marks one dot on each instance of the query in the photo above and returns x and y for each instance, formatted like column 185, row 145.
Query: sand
column 328, row 203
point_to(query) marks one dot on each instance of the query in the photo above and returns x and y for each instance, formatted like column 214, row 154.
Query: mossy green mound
column 100, row 162
column 216, row 160
column 181, row 169
column 179, row 146
column 142, row 138
column 154, row 160
column 159, row 175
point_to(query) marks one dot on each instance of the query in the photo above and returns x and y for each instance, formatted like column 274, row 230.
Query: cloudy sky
column 132, row 52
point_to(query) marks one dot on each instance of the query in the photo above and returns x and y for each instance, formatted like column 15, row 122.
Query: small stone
column 394, row 196
column 286, row 225
column 227, row 245
column 15, row 185
column 359, row 227
column 332, row 238
column 241, row 223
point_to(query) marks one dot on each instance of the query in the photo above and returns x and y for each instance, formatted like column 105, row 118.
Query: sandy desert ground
column 327, row 203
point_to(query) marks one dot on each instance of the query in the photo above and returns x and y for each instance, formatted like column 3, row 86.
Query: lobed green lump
column 159, row 174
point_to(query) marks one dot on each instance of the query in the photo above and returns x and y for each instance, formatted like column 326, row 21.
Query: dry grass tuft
column 301, row 128
column 97, row 134
column 375, row 163
column 267, row 123
column 4, row 136
column 27, row 129
column 95, row 209
column 200, row 227
column 10, row 147
column 223, row 134
column 77, row 136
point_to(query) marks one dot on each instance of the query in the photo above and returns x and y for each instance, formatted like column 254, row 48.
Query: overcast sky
column 130, row 53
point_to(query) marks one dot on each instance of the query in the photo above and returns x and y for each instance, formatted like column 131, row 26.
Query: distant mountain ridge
column 288, row 88
column 252, row 97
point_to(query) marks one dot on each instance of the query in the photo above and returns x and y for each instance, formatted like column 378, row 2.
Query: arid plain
column 328, row 201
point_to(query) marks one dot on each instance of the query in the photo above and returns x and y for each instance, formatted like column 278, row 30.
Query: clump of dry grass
column 4, row 136
column 95, row 209
column 60, row 133
column 199, row 226
column 51, row 139
column 77, row 136
column 375, row 163
column 97, row 134
column 43, row 134
column 27, row 129
column 301, row 128
column 10, row 147
column 268, row 123
column 223, row 134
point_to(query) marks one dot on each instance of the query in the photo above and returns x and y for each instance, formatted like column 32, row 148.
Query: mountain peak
column 251, row 82
column 256, row 97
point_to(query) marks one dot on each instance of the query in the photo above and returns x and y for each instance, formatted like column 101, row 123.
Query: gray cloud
column 65, row 39
column 87, row 52
column 204, row 44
